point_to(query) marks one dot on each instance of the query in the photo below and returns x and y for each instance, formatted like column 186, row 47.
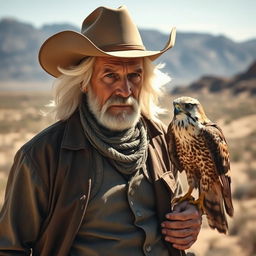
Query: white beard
column 119, row 122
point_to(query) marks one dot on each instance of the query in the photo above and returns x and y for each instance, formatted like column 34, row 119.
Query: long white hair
column 69, row 87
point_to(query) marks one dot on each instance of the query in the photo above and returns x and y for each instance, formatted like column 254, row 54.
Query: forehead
column 102, row 62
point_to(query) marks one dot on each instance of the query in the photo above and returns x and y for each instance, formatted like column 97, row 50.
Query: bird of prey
column 197, row 146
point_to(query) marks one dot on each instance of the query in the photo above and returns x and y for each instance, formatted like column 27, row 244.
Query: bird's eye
column 189, row 106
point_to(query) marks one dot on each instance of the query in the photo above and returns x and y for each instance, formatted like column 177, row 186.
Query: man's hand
column 182, row 225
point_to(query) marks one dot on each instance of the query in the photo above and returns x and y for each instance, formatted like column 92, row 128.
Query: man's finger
column 181, row 224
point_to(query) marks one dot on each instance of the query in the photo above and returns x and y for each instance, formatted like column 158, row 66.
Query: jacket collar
column 74, row 137
column 154, row 129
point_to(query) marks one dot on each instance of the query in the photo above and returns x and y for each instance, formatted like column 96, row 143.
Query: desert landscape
column 224, row 87
column 21, row 117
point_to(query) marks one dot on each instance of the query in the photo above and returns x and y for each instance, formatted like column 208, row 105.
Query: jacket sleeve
column 24, row 207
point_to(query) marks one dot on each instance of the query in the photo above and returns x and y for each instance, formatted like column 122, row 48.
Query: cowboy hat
column 105, row 32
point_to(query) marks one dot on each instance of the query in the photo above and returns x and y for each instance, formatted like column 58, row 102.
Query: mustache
column 115, row 99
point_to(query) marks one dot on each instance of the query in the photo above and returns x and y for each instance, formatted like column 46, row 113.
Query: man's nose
column 124, row 88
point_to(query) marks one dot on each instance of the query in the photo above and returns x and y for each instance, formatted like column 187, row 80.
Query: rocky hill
column 193, row 55
column 242, row 83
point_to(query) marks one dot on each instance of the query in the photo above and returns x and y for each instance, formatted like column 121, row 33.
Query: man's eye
column 134, row 77
column 111, row 75
column 110, row 78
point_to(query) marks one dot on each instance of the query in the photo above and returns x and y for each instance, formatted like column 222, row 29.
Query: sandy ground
column 210, row 242
column 239, row 128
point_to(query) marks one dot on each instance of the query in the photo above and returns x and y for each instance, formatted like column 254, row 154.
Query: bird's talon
column 199, row 204
column 183, row 198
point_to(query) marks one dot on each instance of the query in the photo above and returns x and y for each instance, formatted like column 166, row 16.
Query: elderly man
column 99, row 181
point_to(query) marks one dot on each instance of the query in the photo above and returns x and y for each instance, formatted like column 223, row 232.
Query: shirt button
column 139, row 213
column 132, row 192
column 148, row 248
column 131, row 202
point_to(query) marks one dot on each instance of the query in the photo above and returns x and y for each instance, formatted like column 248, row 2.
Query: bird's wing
column 170, row 138
column 218, row 147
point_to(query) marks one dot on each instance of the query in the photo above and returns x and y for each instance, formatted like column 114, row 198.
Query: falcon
column 197, row 146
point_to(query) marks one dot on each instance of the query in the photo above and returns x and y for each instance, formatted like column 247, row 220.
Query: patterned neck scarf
column 127, row 150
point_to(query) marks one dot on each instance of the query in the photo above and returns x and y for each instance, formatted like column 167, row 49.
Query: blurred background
column 214, row 60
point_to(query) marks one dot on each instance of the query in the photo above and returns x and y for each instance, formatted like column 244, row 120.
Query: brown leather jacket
column 49, row 186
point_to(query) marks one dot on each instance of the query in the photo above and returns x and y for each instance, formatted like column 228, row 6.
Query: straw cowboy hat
column 105, row 32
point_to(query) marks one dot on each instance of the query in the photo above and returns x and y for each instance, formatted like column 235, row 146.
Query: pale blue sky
column 233, row 18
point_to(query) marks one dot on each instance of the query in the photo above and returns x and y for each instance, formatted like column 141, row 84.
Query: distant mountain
column 242, row 83
column 197, row 54
column 193, row 55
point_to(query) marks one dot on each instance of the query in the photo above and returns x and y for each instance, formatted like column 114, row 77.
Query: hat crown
column 105, row 32
column 112, row 29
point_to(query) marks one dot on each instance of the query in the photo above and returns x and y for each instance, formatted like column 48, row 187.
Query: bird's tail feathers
column 214, row 209
column 226, row 192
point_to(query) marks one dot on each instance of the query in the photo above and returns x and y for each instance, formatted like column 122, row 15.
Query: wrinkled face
column 113, row 95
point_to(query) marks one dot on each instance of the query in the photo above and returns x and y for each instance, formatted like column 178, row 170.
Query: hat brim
column 68, row 48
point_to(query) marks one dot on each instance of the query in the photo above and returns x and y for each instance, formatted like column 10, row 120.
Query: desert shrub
column 219, row 252
column 251, row 171
column 247, row 239
column 245, row 191
column 243, row 226
column 235, row 155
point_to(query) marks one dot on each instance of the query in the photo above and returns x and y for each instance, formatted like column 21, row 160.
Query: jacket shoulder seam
column 57, row 127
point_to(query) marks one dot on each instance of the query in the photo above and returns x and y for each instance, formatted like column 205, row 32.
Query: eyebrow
column 139, row 70
column 107, row 70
